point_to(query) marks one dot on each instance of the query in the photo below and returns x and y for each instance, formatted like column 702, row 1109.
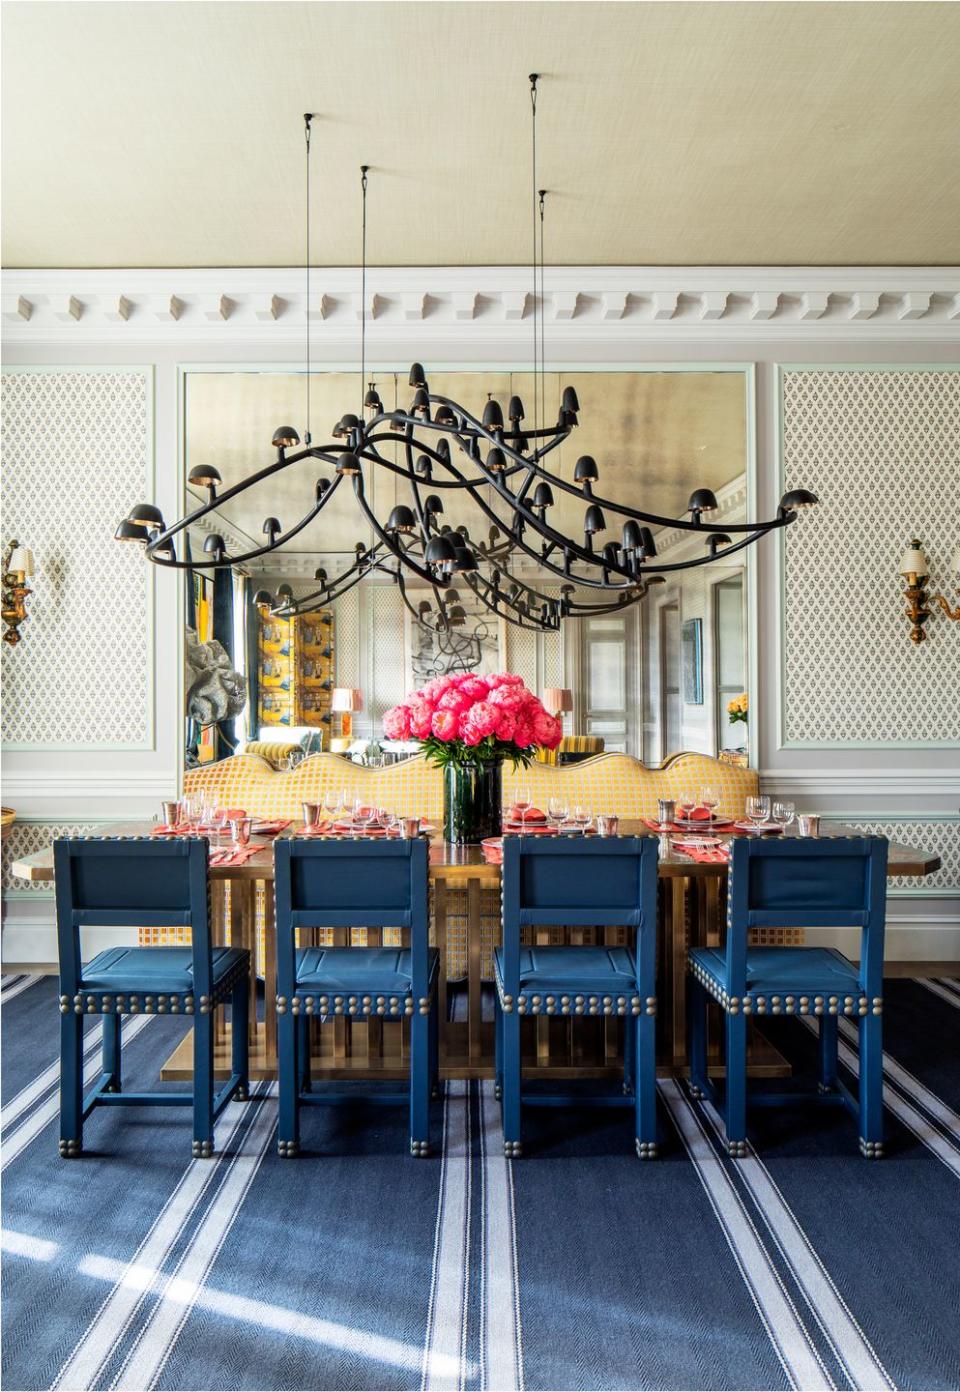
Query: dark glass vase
column 472, row 799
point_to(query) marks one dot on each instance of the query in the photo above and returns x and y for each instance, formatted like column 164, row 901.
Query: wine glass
column 522, row 802
column 582, row 817
column 783, row 813
column 685, row 805
column 710, row 799
column 558, row 809
column 218, row 820
column 331, row 804
column 758, row 810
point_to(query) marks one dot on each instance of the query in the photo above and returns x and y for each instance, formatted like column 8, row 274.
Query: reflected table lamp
column 346, row 700
column 557, row 700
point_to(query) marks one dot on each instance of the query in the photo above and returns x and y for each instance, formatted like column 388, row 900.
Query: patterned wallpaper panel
column 77, row 455
column 942, row 837
column 882, row 452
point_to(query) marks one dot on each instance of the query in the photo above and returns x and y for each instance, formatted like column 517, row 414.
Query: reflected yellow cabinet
column 296, row 669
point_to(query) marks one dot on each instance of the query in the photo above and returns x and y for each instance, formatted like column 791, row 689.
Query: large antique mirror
column 652, row 680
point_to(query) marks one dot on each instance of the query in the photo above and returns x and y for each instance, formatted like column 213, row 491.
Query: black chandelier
column 501, row 463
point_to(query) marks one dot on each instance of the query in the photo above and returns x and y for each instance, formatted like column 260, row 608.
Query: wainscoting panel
column 78, row 453
column 881, row 449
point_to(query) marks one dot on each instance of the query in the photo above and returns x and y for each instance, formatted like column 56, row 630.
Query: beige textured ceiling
column 169, row 134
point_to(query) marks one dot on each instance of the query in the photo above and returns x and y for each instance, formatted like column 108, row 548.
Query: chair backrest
column 583, row 882
column 823, row 882
column 135, row 882
column 355, row 884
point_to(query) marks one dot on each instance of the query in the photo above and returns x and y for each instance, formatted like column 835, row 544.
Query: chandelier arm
column 401, row 555
column 227, row 561
column 353, row 575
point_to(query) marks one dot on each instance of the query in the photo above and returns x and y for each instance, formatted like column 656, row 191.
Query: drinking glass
column 685, row 805
column 558, row 809
column 582, row 817
column 522, row 801
column 218, row 820
column 240, row 831
column 782, row 813
column 758, row 810
column 331, row 804
column 608, row 824
column 710, row 799
column 364, row 815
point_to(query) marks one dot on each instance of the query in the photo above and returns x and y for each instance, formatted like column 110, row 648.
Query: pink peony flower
column 484, row 715
column 469, row 732
column 503, row 679
column 547, row 729
column 445, row 724
column 475, row 688
column 396, row 723
column 421, row 716
column 436, row 688
column 523, row 734
column 506, row 723
column 454, row 700
column 509, row 698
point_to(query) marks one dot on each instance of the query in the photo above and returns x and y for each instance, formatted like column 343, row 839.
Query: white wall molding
column 248, row 307
column 863, row 782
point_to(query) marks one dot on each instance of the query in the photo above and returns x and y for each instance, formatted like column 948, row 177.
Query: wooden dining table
column 692, row 897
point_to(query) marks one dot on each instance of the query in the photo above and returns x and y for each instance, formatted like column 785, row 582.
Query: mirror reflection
column 651, row 680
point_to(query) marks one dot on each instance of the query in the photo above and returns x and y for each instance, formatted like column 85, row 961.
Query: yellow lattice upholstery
column 274, row 752
column 608, row 782
column 571, row 744
column 619, row 783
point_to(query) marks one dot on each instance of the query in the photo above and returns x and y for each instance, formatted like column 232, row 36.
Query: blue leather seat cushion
column 819, row 970
column 153, row 968
column 387, row 970
column 573, row 968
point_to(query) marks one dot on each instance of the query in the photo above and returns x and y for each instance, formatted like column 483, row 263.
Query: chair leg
column 71, row 1084
column 111, row 1051
column 240, row 1038
column 434, row 1031
column 510, row 1083
column 630, row 1033
column 828, row 1053
column 736, row 1029
column 697, row 1043
column 303, row 1053
column 288, row 1134
column 497, row 1049
column 203, row 1085
column 419, row 1084
column 871, row 1086
column 644, row 1031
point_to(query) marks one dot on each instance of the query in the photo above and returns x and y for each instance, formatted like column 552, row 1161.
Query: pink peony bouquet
column 466, row 719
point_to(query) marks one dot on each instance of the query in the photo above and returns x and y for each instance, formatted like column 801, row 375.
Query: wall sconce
column 17, row 566
column 942, row 599
column 914, row 568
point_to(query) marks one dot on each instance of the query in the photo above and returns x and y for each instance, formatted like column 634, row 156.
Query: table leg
column 440, row 937
column 677, row 947
column 269, row 977
column 474, row 981
column 243, row 934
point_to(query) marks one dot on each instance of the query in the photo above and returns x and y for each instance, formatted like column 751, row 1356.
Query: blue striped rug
column 803, row 1266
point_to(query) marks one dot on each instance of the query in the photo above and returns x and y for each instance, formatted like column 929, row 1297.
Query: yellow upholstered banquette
column 606, row 783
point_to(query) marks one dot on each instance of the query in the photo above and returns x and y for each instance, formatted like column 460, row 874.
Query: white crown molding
column 583, row 304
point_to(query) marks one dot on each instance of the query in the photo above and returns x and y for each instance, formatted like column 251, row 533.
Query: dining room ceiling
column 170, row 134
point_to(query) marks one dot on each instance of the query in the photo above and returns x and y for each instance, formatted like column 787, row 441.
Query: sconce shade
column 418, row 378
column 346, row 698
column 285, row 437
column 262, row 597
column 284, row 592
column 542, row 496
column 585, row 470
column 515, row 409
column 496, row 461
column 594, row 521
column 557, row 699
column 702, row 500
column 797, row 498
column 130, row 531
column 439, row 551
column 493, row 415
column 348, row 464
column 401, row 519
column 21, row 559
column 914, row 562
column 465, row 559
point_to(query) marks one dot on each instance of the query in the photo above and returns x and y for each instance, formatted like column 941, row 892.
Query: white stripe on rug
column 946, row 993
column 502, row 1335
column 850, row 1345
column 785, row 1329
column 107, row 1328
column 937, row 1108
column 157, row 1336
column 444, row 1355
column 902, row 1108
column 17, row 988
column 28, row 1131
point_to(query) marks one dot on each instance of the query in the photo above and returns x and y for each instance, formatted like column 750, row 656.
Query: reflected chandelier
column 501, row 463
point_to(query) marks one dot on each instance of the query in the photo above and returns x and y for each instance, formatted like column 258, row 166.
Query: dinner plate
column 763, row 827
column 691, row 823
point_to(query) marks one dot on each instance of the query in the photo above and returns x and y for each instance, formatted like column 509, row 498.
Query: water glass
column 170, row 813
column 608, row 824
column 522, row 802
column 311, row 813
column 782, row 813
column 758, row 810
column 710, row 799
column 331, row 803
column 686, row 802
column 666, row 811
column 218, row 820
column 409, row 827
column 581, row 817
column 558, row 809
column 808, row 825
column 240, row 830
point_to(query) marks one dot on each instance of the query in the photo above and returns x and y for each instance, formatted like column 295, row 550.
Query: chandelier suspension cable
column 307, row 123
column 364, row 169
column 542, row 197
column 534, row 79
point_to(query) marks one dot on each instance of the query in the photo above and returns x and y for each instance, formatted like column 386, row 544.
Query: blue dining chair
column 827, row 882
column 354, row 884
column 145, row 883
column 579, row 883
